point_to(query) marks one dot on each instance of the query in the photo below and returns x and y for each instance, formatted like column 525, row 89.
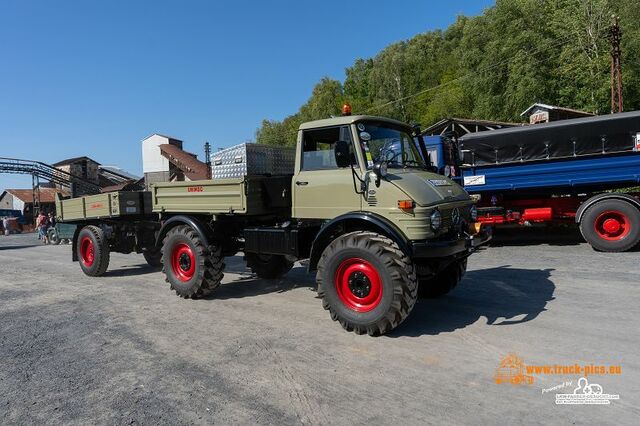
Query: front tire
column 611, row 226
column 366, row 283
column 93, row 251
column 444, row 281
column 268, row 266
column 192, row 269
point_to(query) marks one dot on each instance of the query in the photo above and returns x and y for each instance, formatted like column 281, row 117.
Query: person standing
column 6, row 226
column 42, row 224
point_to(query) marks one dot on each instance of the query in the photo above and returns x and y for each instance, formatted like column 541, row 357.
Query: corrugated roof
column 193, row 168
column 47, row 195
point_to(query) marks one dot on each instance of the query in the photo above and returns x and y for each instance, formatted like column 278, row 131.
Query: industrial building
column 164, row 160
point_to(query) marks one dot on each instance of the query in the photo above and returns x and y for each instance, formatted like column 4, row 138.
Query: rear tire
column 153, row 258
column 366, row 283
column 444, row 281
column 93, row 251
column 611, row 226
column 192, row 269
column 268, row 266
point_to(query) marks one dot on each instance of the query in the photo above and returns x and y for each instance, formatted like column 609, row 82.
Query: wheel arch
column 201, row 228
column 355, row 221
column 602, row 197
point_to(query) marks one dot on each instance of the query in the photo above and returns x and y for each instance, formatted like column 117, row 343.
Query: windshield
column 384, row 142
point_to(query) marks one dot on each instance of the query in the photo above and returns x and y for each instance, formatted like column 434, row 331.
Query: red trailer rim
column 87, row 251
column 612, row 225
column 183, row 262
column 358, row 285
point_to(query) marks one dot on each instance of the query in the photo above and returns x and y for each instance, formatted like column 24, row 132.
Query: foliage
column 491, row 66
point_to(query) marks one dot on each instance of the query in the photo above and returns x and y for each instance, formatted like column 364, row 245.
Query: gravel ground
column 123, row 349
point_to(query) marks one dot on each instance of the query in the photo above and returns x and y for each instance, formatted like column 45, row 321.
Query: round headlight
column 436, row 220
column 474, row 212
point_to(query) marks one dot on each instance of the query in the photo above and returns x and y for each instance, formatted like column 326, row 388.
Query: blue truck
column 584, row 171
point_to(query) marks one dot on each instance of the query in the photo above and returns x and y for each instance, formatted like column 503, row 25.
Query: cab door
column 321, row 189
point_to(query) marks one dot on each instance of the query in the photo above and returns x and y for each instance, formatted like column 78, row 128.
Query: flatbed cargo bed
column 251, row 195
column 104, row 206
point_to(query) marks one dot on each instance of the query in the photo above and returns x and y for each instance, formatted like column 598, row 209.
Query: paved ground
column 123, row 349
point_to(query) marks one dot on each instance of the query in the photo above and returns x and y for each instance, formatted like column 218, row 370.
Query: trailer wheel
column 443, row 282
column 268, row 266
column 153, row 258
column 611, row 226
column 192, row 269
column 93, row 251
column 52, row 234
column 366, row 283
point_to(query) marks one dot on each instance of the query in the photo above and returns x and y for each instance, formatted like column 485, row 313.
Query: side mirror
column 380, row 170
column 342, row 152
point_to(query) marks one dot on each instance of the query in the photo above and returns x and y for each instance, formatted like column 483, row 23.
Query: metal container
column 250, row 159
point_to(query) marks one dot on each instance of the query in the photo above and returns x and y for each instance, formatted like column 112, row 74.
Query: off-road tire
column 397, row 282
column 96, row 264
column 268, row 266
column 153, row 258
column 443, row 282
column 207, row 262
column 593, row 232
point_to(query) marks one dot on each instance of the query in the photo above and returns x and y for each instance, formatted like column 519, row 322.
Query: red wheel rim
column 183, row 262
column 87, row 251
column 358, row 285
column 612, row 225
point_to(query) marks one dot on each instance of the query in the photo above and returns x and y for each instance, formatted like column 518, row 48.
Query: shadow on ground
column 503, row 295
column 536, row 235
column 16, row 247
column 131, row 271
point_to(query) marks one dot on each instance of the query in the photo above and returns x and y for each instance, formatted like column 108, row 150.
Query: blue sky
column 94, row 78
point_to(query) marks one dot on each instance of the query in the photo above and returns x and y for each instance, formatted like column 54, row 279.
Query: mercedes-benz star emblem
column 455, row 216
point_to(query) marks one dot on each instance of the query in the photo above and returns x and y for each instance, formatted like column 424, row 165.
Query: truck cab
column 371, row 164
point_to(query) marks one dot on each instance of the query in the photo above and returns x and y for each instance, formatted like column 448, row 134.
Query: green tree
column 490, row 66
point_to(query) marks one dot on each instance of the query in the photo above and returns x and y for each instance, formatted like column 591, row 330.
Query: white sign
column 474, row 180
column 586, row 394
column 637, row 142
column 539, row 117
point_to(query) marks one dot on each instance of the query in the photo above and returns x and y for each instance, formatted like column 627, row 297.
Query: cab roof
column 348, row 119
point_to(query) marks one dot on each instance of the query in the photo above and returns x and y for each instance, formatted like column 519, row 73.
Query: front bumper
column 436, row 249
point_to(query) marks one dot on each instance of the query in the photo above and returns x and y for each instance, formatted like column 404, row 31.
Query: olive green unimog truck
column 358, row 202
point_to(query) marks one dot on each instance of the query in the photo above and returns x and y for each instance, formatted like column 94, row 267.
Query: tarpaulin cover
column 606, row 134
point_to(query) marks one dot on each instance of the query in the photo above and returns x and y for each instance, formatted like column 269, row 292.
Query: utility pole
column 615, row 35
column 35, row 188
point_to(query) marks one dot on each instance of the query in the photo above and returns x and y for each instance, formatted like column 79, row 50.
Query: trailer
column 379, row 232
column 580, row 171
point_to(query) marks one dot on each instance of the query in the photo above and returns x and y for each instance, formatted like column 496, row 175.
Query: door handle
column 301, row 183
